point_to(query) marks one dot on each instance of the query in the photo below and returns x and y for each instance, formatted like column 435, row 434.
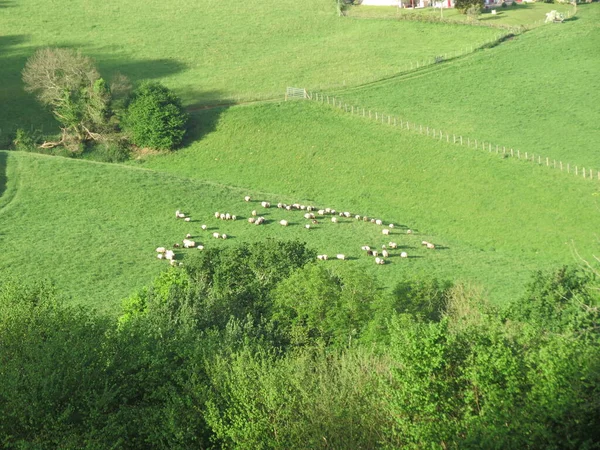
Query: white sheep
column 378, row 222
column 187, row 219
column 307, row 226
column 309, row 216
column 403, row 255
column 222, row 216
column 227, row 216
column 254, row 213
column 391, row 225
column 357, row 217
column 328, row 210
column 280, row 205
column 430, row 245
column 265, row 204
column 204, row 227
column 177, row 213
column 379, row 261
column 322, row 257
column 174, row 263
column 385, row 231
column 340, row 256
column 424, row 242
column 365, row 248
column 365, row 219
column 160, row 256
column 259, row 221
column 392, row 245
column 187, row 243
column 409, row 231
column 223, row 236
column 160, row 249
column 251, row 219
column 334, row 219
column 309, row 208
column 384, row 253
column 217, row 215
column 283, row 223
column 200, row 247
column 181, row 216
column 233, row 217
column 302, row 207
column 288, row 207
column 347, row 214
column 216, row 235
column 374, row 253
column 170, row 255
column 187, row 236
column 321, row 212
column 247, row 198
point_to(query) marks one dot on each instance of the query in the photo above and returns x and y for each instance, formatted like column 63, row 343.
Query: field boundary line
column 12, row 190
column 457, row 139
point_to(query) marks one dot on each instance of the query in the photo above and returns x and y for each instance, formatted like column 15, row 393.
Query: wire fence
column 457, row 139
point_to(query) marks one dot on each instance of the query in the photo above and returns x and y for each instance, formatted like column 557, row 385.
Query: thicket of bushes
column 259, row 347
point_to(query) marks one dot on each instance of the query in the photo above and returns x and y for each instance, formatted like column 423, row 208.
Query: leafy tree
column 155, row 117
column 464, row 6
column 70, row 85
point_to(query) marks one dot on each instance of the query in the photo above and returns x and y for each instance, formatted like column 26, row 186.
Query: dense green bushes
column 259, row 347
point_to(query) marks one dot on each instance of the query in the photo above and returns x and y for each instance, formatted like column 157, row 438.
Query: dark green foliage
column 464, row 5
column 155, row 117
column 26, row 141
column 425, row 298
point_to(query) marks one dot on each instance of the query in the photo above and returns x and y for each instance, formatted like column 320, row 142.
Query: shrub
column 464, row 6
column 110, row 151
column 26, row 141
column 504, row 5
column 155, row 117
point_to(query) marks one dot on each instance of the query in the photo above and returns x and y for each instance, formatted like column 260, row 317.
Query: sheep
column 315, row 221
column 187, row 236
column 217, row 215
column 365, row 248
column 188, row 219
column 177, row 213
column 307, row 226
column 283, row 223
column 341, row 214
column 369, row 252
column 378, row 222
column 251, row 219
column 296, row 206
column 385, row 253
column 247, row 198
column 265, row 204
column 430, row 245
column 216, row 235
column 254, row 213
column 392, row 245
column 173, row 262
column 309, row 216
column 424, row 242
column 170, row 254
column 347, row 214
column 302, row 207
column 391, row 225
column 384, row 246
column 200, row 247
column 160, row 256
column 233, row 217
column 321, row 212
column 334, row 219
column 322, row 257
column 365, row 219
column 328, row 210
column 187, row 243
column 181, row 216
column 288, row 207
column 204, row 227
column 333, row 211
column 227, row 216
column 403, row 255
column 379, row 261
column 340, row 256
column 385, row 231
column 160, row 249
column 309, row 208
column 408, row 231
column 374, row 253
column 259, row 221
column 357, row 217
column 222, row 216
column 280, row 205
column 175, row 245
column 223, row 236
column 372, row 220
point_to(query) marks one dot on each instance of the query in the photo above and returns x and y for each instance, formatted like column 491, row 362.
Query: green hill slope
column 535, row 92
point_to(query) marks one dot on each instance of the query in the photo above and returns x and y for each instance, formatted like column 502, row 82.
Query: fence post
column 461, row 140
column 526, row 157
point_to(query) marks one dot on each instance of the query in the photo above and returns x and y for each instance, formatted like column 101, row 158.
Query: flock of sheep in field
column 312, row 214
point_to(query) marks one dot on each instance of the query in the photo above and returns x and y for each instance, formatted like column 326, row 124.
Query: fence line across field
column 393, row 121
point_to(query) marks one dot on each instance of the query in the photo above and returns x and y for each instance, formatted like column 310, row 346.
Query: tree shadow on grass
column 6, row 4
column 3, row 162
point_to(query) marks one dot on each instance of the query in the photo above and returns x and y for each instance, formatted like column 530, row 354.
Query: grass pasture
column 212, row 51
column 534, row 93
column 500, row 218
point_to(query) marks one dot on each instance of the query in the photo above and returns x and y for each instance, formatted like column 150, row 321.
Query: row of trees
column 92, row 111
column 259, row 347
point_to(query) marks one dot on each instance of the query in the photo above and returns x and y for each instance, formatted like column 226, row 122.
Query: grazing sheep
column 309, row 208
column 372, row 220
column 247, row 198
column 378, row 222
column 340, row 256
column 328, row 210
column 309, row 216
column 302, row 207
column 424, row 242
column 307, row 226
column 288, row 207
column 357, row 217
column 175, row 245
column 173, row 262
column 365, row 219
column 200, row 247
column 217, row 215
column 254, row 213
column 385, row 231
column 280, row 205
column 265, row 204
column 374, row 253
column 408, row 231
column 233, row 217
column 188, row 236
column 283, row 223
column 216, row 235
column 379, row 261
column 187, row 243
column 403, row 255
column 251, row 219
column 385, row 253
column 341, row 214
column 384, row 246
column 160, row 256
column 392, row 245
column 170, row 254
column 365, row 248
column 322, row 257
column 223, row 236
column 369, row 252
column 391, row 225
column 259, row 221
column 430, row 245
column 160, row 249
column 315, row 221
column 347, row 214
column 222, row 216
column 227, row 216
column 321, row 212
column 204, row 227
column 334, row 219
column 296, row 206
column 187, row 219
column 177, row 213
column 181, row 216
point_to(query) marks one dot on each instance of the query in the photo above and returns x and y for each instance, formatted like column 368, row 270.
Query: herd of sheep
column 312, row 213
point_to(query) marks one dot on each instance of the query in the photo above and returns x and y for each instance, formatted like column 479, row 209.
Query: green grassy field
column 533, row 92
column 526, row 14
column 212, row 51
